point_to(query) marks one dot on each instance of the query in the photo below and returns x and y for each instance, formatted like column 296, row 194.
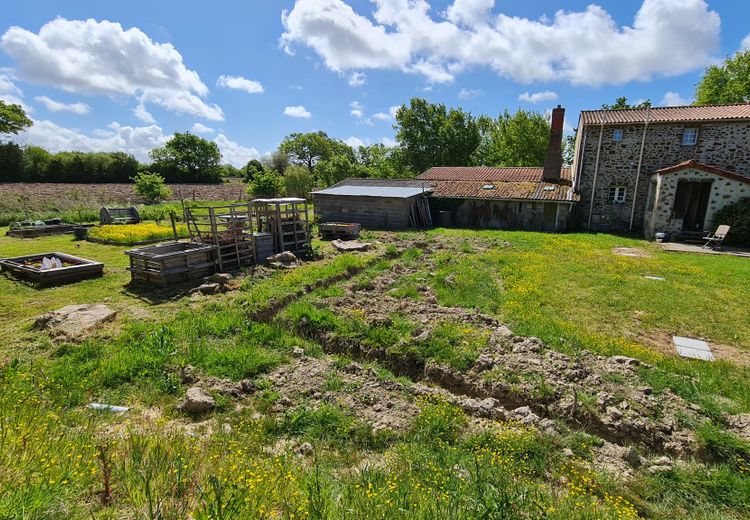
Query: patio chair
column 716, row 239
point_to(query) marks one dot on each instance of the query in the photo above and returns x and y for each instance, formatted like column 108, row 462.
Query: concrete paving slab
column 692, row 348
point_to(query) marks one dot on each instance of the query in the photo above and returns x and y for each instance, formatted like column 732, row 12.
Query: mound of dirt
column 520, row 378
column 74, row 322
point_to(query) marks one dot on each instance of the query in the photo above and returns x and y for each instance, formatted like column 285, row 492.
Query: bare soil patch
column 636, row 252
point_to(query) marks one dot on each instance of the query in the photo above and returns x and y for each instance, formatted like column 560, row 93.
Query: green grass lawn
column 556, row 283
column 569, row 290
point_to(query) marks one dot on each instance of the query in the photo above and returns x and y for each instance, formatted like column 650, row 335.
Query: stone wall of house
column 501, row 214
column 725, row 145
column 659, row 216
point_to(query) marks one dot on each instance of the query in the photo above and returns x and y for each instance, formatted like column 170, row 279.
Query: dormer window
column 689, row 137
column 488, row 187
column 617, row 134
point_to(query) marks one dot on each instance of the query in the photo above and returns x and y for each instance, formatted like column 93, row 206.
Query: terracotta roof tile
column 667, row 114
column 703, row 167
column 488, row 173
column 516, row 190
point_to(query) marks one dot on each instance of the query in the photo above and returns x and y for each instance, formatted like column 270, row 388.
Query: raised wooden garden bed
column 40, row 231
column 168, row 264
column 73, row 269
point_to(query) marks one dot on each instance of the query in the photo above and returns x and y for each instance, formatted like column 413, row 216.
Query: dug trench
column 512, row 377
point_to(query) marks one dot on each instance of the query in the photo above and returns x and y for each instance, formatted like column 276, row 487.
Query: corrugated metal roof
column 489, row 173
column 667, row 114
column 387, row 183
column 523, row 190
column 372, row 191
column 703, row 167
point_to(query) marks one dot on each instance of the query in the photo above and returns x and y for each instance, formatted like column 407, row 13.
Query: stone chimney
column 553, row 160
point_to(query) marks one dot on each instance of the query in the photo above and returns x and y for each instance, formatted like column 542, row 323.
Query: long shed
column 383, row 205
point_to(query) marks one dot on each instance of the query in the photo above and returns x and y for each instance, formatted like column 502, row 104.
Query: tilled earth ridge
column 602, row 395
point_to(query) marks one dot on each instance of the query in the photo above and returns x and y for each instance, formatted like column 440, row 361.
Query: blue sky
column 338, row 65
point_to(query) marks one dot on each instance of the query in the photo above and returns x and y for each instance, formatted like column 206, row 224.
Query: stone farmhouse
column 666, row 169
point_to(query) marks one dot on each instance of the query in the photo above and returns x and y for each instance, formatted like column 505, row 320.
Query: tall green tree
column 35, row 162
column 431, row 135
column 187, row 158
column 383, row 162
column 11, row 162
column 13, row 119
column 310, row 148
column 337, row 168
column 621, row 103
column 251, row 169
column 298, row 181
column 278, row 161
column 726, row 83
column 519, row 139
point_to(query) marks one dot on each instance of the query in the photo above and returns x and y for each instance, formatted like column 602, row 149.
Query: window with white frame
column 617, row 194
column 617, row 134
column 689, row 136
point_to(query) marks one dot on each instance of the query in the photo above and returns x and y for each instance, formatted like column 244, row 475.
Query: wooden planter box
column 168, row 264
column 29, row 268
column 40, row 231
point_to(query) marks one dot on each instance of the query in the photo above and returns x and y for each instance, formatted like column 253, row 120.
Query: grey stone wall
column 660, row 218
column 725, row 145
column 500, row 214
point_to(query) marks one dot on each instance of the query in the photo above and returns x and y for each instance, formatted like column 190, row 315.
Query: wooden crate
column 29, row 268
column 171, row 263
column 339, row 230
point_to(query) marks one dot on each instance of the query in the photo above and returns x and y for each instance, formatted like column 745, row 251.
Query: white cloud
column 182, row 102
column 144, row 115
column 587, row 47
column 200, row 128
column 357, row 79
column 357, row 109
column 138, row 141
column 673, row 99
column 470, row 12
column 381, row 116
column 745, row 45
column 11, row 94
column 538, row 97
column 56, row 106
column 354, row 142
column 297, row 111
column 468, row 93
column 239, row 83
column 387, row 141
column 100, row 57
column 233, row 153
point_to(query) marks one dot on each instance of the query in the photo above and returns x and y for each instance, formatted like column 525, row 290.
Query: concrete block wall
column 371, row 212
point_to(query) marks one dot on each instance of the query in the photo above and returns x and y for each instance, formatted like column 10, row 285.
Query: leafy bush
column 267, row 184
column 135, row 233
column 737, row 216
column 151, row 186
column 297, row 181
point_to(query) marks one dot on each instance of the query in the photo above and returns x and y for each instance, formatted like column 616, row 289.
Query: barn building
column 375, row 203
